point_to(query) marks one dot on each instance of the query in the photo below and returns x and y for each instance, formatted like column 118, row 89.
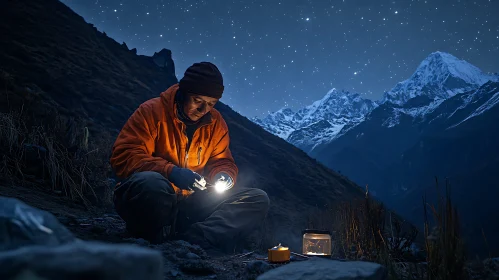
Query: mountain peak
column 439, row 55
column 439, row 75
column 445, row 63
column 331, row 93
column 286, row 111
column 332, row 112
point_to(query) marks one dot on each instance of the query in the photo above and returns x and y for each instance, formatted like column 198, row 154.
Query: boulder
column 23, row 225
column 324, row 269
column 82, row 260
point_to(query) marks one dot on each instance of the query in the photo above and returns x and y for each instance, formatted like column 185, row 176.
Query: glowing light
column 220, row 186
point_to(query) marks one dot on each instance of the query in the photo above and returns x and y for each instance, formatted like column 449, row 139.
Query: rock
column 183, row 247
column 198, row 267
column 192, row 256
column 82, row 260
column 318, row 268
column 182, row 243
column 181, row 252
column 174, row 272
column 257, row 267
column 22, row 225
column 139, row 241
column 164, row 60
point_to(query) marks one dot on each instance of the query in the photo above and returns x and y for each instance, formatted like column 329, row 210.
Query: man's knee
column 149, row 181
column 260, row 197
column 145, row 198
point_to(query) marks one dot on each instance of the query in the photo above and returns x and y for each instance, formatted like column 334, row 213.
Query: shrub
column 368, row 231
column 445, row 251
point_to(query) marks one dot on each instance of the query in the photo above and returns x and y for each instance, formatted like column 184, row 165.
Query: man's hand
column 223, row 182
column 187, row 179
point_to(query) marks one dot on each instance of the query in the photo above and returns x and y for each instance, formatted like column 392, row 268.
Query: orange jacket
column 153, row 139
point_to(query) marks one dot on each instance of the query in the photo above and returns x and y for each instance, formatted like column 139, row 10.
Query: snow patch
column 393, row 120
column 493, row 101
column 423, row 110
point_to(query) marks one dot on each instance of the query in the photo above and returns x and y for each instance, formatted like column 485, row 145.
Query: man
column 170, row 154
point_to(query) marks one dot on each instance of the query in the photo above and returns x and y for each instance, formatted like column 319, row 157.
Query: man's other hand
column 186, row 179
column 223, row 182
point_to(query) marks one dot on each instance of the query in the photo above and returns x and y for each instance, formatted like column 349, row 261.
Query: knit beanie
column 203, row 78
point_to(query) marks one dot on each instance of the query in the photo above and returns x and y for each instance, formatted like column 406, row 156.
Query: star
column 293, row 55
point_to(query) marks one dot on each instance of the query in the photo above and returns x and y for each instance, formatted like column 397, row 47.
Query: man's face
column 196, row 106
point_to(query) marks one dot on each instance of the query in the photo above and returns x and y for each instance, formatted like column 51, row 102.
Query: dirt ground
column 181, row 259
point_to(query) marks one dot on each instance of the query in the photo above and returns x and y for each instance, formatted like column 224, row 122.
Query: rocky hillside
column 83, row 72
column 56, row 63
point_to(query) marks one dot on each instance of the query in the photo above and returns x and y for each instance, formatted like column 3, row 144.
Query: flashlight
column 224, row 183
column 221, row 186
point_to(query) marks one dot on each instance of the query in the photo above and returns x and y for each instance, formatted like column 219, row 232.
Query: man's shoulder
column 218, row 119
column 153, row 106
column 151, row 103
column 162, row 101
column 153, row 109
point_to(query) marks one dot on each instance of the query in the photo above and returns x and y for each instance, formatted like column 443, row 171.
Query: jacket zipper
column 187, row 147
column 188, row 144
column 199, row 154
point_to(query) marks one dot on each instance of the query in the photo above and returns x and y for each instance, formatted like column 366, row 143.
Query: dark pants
column 148, row 204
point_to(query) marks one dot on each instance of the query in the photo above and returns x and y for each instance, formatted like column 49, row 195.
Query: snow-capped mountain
column 403, row 116
column 280, row 123
column 441, row 121
column 319, row 122
column 399, row 149
column 439, row 76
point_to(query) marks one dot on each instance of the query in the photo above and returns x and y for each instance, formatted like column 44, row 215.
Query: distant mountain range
column 320, row 122
column 439, row 76
column 441, row 121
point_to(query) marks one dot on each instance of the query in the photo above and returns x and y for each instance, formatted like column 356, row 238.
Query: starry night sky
column 291, row 52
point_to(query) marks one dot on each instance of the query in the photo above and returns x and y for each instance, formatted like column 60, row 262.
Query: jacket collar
column 168, row 98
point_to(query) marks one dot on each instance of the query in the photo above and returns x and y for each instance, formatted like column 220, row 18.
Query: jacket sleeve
column 221, row 158
column 134, row 147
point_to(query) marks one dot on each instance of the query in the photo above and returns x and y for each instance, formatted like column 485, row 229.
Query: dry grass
column 57, row 156
column 365, row 230
column 368, row 231
column 445, row 251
